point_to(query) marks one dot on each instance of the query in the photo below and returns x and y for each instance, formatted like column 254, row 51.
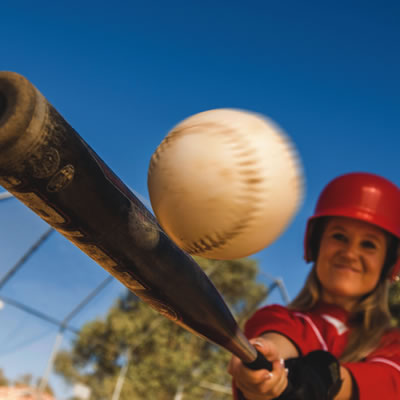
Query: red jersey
column 324, row 328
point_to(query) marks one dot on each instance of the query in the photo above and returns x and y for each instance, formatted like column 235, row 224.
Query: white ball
column 225, row 183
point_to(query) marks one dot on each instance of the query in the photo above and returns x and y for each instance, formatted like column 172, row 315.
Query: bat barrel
column 50, row 168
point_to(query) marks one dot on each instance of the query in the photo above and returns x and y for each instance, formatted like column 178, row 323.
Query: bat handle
column 262, row 363
column 259, row 363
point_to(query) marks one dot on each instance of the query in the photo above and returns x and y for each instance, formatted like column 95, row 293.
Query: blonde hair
column 369, row 320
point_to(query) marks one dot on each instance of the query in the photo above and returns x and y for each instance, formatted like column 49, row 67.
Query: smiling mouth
column 343, row 267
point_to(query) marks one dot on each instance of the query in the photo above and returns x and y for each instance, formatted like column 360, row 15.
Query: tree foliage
column 163, row 358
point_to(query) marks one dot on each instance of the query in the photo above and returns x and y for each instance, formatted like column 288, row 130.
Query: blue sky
column 123, row 73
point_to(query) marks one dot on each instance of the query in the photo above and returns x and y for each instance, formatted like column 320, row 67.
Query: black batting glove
column 315, row 376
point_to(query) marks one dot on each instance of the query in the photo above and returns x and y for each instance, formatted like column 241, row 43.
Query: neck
column 346, row 303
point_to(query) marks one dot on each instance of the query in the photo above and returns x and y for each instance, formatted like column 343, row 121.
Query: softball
column 225, row 183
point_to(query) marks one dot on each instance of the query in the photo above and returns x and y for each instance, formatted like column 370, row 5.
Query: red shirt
column 324, row 328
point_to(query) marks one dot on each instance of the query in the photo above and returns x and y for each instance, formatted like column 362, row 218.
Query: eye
column 339, row 236
column 368, row 244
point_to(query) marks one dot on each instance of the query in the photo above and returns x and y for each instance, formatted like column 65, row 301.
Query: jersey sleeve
column 378, row 376
column 276, row 318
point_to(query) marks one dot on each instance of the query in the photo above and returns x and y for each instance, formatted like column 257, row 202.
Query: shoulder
column 273, row 308
column 266, row 316
column 389, row 346
column 269, row 312
column 391, row 337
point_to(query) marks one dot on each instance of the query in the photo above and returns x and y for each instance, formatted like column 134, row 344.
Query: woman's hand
column 261, row 384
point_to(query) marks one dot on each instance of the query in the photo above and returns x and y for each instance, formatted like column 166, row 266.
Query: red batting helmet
column 363, row 196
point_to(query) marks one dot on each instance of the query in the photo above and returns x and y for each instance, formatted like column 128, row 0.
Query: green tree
column 163, row 357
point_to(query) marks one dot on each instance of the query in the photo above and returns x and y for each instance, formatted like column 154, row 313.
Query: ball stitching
column 248, row 172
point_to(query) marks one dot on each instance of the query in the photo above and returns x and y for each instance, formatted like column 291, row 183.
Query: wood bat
column 46, row 165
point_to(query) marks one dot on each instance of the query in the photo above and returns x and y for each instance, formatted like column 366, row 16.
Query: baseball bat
column 47, row 166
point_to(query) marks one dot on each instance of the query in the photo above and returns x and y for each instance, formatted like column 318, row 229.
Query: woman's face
column 350, row 260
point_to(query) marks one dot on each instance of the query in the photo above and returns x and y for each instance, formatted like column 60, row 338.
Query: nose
column 349, row 250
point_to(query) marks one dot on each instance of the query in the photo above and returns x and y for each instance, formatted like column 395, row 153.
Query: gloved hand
column 315, row 376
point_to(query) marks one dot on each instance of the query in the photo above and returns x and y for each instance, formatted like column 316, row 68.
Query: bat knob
column 259, row 363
